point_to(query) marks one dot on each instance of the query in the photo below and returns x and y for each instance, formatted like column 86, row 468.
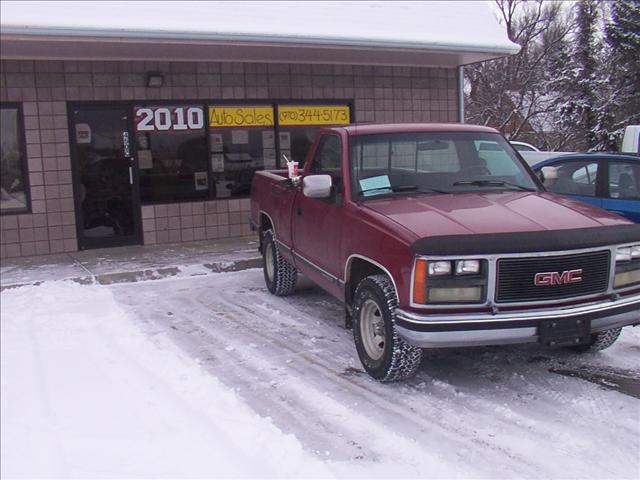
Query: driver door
column 318, row 223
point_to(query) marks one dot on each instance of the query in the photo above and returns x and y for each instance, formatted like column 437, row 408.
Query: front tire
column 384, row 355
column 279, row 275
column 599, row 341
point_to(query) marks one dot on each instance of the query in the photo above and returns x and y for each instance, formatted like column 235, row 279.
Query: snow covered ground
column 211, row 376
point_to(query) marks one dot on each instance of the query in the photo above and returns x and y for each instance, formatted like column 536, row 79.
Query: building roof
column 408, row 33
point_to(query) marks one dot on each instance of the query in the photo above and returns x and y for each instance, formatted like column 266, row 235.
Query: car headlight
column 627, row 266
column 449, row 281
column 467, row 267
column 439, row 268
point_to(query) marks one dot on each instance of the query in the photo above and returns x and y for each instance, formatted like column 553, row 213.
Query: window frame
column 22, row 143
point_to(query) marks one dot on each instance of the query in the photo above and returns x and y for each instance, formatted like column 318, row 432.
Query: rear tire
column 279, row 275
column 599, row 341
column 384, row 355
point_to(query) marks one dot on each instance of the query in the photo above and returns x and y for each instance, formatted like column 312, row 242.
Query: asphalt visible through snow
column 492, row 412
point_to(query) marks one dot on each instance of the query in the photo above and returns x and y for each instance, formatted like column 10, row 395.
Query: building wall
column 379, row 94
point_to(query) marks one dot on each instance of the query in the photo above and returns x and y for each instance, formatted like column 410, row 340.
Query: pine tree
column 623, row 62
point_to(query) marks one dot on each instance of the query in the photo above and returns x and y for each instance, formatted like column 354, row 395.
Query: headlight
column 623, row 254
column 439, row 268
column 449, row 281
column 627, row 266
column 467, row 267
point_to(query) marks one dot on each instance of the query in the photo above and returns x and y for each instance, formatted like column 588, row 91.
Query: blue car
column 607, row 180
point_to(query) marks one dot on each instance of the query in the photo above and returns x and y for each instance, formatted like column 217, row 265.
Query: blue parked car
column 607, row 180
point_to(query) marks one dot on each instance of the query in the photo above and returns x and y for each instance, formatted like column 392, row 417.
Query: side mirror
column 316, row 186
column 548, row 176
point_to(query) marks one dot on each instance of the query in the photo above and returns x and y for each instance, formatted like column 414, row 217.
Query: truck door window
column 624, row 181
column 328, row 158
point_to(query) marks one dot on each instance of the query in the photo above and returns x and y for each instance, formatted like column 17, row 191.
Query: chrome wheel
column 372, row 329
column 269, row 261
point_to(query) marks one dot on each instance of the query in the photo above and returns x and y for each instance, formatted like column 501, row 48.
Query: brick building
column 120, row 128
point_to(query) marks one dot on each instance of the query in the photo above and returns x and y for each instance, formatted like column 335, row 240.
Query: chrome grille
column 515, row 277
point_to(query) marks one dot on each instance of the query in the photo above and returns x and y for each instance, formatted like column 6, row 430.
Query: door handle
column 130, row 175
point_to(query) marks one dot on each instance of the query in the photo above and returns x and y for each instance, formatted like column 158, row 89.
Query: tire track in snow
column 399, row 418
column 215, row 316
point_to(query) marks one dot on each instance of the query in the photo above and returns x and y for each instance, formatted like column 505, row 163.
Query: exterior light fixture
column 155, row 79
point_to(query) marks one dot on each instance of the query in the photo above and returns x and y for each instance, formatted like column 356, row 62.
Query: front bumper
column 477, row 329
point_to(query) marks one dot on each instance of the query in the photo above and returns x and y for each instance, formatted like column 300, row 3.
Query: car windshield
column 434, row 162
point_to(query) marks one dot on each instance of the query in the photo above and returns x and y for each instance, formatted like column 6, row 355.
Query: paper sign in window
column 285, row 141
column 217, row 162
column 375, row 185
column 216, row 142
column 201, row 181
column 145, row 159
column 269, row 155
column 83, row 133
column 239, row 137
column 268, row 139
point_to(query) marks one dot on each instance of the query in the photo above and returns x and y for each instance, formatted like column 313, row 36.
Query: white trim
column 534, row 315
column 373, row 262
column 324, row 272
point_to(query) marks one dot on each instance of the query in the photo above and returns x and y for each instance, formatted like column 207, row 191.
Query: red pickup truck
column 441, row 236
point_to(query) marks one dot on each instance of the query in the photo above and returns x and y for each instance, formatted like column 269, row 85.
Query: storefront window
column 299, row 124
column 188, row 152
column 13, row 185
column 241, row 141
column 172, row 153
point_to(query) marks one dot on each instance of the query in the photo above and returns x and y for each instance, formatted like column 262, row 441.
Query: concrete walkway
column 133, row 263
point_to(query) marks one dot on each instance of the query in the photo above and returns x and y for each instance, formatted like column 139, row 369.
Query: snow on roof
column 435, row 25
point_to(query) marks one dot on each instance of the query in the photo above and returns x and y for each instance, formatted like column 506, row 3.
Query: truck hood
column 495, row 212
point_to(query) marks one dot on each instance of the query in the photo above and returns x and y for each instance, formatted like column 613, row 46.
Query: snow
column 86, row 394
column 211, row 376
column 468, row 25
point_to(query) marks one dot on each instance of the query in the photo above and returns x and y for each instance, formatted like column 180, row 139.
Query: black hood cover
column 527, row 242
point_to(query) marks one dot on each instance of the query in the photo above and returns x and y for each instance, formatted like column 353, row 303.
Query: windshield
column 434, row 162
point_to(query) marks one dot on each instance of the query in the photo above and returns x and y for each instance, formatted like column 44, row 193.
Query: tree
column 510, row 93
column 575, row 85
column 623, row 38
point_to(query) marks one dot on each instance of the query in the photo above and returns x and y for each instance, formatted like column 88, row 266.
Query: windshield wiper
column 493, row 183
column 403, row 188
column 415, row 188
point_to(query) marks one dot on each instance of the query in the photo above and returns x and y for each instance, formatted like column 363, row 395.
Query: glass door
column 105, row 174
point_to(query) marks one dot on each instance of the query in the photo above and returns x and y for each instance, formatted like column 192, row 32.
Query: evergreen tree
column 623, row 38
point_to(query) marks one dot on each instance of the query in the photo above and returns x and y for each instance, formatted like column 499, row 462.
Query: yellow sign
column 289, row 115
column 240, row 116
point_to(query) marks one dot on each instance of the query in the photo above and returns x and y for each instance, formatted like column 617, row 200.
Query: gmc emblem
column 556, row 278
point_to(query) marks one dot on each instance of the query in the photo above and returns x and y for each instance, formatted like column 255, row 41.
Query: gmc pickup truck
column 441, row 236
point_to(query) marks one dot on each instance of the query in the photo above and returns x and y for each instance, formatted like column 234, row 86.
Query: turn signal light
column 420, row 282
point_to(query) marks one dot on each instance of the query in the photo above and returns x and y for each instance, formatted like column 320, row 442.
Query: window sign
column 13, row 188
column 313, row 115
column 162, row 119
column 240, row 116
